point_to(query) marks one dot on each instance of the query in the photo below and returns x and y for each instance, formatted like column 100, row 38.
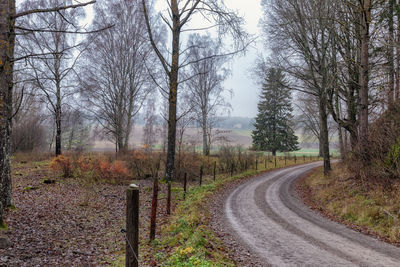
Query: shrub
column 144, row 164
column 63, row 164
column 115, row 171
column 383, row 150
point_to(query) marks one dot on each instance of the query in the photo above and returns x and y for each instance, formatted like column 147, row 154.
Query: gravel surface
column 265, row 223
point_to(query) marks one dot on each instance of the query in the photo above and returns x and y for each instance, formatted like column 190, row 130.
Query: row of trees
column 108, row 70
column 343, row 56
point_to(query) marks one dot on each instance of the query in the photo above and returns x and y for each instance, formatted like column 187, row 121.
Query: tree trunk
column 364, row 70
column 7, row 43
column 390, row 55
column 341, row 143
column 324, row 134
column 320, row 148
column 128, row 131
column 58, row 129
column 173, row 93
column 397, row 90
column 340, row 133
column 345, row 142
column 204, row 129
column 154, row 203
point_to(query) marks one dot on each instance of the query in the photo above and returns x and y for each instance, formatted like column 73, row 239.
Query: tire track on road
column 266, row 216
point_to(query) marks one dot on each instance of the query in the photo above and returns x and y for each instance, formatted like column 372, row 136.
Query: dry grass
column 371, row 208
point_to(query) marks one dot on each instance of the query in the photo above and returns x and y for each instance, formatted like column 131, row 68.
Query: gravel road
column 265, row 217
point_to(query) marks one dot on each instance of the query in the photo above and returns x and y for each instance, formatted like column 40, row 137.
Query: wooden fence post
column 265, row 163
column 215, row 168
column 184, row 185
column 132, row 226
column 232, row 169
column 256, row 163
column 275, row 161
column 169, row 198
column 201, row 174
column 154, row 203
column 295, row 159
column 285, row 160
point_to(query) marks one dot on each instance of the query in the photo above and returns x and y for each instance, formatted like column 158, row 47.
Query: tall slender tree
column 115, row 82
column 273, row 126
column 8, row 32
column 51, row 75
column 177, row 17
column 206, row 89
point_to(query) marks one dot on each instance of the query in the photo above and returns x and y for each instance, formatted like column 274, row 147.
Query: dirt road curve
column 265, row 215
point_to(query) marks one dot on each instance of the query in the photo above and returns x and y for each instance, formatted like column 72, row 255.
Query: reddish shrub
column 62, row 163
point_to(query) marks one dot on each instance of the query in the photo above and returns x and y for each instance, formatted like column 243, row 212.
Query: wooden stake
column 184, row 185
column 154, row 204
column 201, row 174
column 132, row 226
column 215, row 169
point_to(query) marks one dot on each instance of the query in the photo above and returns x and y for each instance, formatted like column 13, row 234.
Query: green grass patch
column 3, row 225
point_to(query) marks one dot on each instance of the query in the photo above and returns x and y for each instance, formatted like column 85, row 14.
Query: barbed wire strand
column 130, row 245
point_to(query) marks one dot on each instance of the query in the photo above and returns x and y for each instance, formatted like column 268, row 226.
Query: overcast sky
column 244, row 101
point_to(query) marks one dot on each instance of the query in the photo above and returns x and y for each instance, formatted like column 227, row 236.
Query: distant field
column 235, row 136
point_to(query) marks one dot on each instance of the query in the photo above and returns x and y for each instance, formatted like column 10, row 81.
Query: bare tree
column 176, row 17
column 7, row 40
column 116, row 83
column 205, row 89
column 53, row 73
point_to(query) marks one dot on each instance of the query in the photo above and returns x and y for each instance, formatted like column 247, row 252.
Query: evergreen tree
column 273, row 131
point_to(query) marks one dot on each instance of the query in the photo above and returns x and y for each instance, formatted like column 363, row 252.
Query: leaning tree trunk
column 7, row 43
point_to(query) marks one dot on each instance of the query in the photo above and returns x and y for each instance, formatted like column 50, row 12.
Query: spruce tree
column 273, row 131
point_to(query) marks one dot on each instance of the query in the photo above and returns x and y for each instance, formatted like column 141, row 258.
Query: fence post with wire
column 132, row 226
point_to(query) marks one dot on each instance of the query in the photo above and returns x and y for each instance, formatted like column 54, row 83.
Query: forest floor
column 67, row 223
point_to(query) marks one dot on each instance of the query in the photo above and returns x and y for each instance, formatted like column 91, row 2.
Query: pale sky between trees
column 245, row 91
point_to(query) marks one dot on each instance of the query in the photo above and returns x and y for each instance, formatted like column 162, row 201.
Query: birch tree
column 52, row 75
column 177, row 17
column 205, row 89
column 8, row 31
column 116, row 81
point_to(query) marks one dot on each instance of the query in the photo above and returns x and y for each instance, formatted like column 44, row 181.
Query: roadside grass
column 187, row 239
column 370, row 208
